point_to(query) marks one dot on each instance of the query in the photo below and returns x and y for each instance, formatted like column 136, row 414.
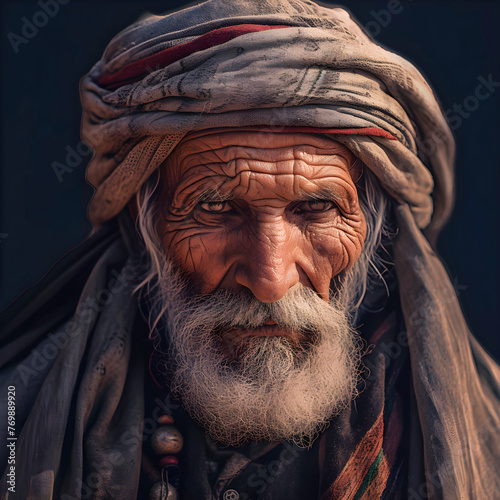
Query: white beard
column 259, row 388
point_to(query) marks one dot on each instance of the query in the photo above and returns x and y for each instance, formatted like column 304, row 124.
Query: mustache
column 300, row 310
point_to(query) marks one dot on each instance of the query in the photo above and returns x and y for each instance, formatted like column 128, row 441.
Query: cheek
column 200, row 253
column 334, row 249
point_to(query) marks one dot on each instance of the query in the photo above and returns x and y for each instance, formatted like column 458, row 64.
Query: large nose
column 266, row 264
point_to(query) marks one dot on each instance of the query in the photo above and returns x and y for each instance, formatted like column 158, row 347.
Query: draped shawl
column 278, row 64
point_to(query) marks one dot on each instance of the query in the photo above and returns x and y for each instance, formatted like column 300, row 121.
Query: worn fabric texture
column 74, row 356
column 315, row 68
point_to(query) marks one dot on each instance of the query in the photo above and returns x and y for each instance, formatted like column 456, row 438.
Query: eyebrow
column 213, row 194
column 324, row 193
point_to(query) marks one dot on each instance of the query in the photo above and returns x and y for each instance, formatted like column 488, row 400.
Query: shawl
column 312, row 68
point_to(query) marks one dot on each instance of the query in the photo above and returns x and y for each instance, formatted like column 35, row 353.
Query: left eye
column 215, row 206
column 316, row 206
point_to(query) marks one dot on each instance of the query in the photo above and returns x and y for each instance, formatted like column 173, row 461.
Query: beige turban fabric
column 267, row 63
column 292, row 63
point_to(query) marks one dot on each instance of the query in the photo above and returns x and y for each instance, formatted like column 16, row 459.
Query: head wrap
column 274, row 63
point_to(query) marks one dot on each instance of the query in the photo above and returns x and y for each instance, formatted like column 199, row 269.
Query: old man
column 260, row 313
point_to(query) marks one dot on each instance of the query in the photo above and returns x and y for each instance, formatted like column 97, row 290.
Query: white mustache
column 300, row 310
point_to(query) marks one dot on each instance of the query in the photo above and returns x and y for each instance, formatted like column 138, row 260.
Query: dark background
column 453, row 43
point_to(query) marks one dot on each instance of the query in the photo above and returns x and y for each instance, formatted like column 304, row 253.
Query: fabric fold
column 460, row 421
column 99, row 391
column 320, row 71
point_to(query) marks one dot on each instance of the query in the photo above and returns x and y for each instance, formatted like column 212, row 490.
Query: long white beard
column 259, row 388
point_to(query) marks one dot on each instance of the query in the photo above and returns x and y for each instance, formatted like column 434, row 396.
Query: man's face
column 262, row 211
column 253, row 227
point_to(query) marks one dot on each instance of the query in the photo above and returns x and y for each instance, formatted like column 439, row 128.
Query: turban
column 273, row 63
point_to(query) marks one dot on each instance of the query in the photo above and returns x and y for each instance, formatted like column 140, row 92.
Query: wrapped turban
column 272, row 63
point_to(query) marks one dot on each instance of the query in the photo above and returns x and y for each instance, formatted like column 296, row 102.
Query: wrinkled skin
column 261, row 210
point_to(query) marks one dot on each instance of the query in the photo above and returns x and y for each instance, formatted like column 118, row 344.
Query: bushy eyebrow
column 210, row 195
column 324, row 193
column 213, row 194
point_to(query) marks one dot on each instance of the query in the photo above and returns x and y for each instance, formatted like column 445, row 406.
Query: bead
column 166, row 419
column 155, row 493
column 169, row 460
column 166, row 440
column 231, row 495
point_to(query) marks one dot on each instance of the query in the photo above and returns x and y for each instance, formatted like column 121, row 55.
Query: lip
column 266, row 330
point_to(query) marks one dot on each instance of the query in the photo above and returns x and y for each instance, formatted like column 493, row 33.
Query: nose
column 267, row 265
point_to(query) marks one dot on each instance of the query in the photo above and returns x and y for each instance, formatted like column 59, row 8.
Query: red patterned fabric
column 138, row 69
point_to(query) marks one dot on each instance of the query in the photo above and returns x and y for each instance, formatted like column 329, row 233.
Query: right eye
column 215, row 207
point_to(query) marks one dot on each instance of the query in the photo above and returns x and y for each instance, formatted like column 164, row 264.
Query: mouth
column 265, row 330
column 269, row 321
column 269, row 328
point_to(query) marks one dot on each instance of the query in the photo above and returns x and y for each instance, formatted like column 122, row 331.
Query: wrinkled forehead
column 207, row 149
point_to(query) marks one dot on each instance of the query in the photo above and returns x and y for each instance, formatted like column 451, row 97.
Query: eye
column 215, row 207
column 315, row 206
